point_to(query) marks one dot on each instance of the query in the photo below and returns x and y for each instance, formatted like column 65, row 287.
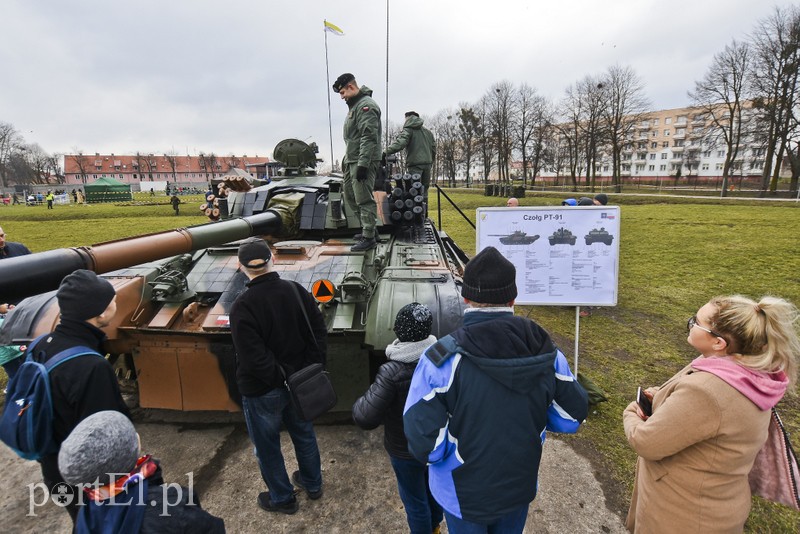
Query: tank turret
column 175, row 289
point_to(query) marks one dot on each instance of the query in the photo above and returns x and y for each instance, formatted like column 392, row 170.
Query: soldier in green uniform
column 420, row 149
column 362, row 135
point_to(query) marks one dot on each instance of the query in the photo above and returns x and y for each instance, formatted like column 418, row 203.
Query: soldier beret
column 343, row 80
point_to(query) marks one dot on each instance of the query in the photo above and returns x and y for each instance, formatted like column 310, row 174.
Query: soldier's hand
column 361, row 173
column 383, row 159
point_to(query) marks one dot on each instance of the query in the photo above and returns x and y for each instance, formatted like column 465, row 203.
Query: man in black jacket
column 271, row 336
column 87, row 384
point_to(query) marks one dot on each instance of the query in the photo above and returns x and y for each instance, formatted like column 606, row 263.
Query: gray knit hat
column 102, row 446
column 489, row 278
column 83, row 295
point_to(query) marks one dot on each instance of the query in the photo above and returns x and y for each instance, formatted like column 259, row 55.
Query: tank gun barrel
column 23, row 276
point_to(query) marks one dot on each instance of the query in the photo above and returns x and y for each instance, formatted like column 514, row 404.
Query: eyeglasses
column 692, row 322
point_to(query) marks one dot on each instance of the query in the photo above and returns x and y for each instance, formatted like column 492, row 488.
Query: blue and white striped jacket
column 479, row 405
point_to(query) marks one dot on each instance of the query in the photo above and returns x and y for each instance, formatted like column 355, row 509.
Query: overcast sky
column 237, row 76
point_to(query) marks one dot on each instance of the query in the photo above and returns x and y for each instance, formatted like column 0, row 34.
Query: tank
column 175, row 289
column 562, row 236
column 517, row 237
column 599, row 236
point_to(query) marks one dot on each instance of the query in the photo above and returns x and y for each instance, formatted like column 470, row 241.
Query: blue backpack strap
column 29, row 351
column 68, row 354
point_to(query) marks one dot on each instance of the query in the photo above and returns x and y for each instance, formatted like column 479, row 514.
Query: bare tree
column 468, row 128
column 81, row 162
column 776, row 61
column 500, row 99
column 486, row 141
column 53, row 168
column 530, row 125
column 591, row 92
column 624, row 106
column 38, row 160
column 10, row 141
column 571, row 132
column 721, row 94
column 172, row 159
column 445, row 127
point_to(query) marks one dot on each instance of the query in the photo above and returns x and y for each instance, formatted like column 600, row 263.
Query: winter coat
column 418, row 140
column 147, row 507
column 268, row 328
column 13, row 249
column 695, row 453
column 480, row 403
column 384, row 400
column 79, row 387
column 362, row 129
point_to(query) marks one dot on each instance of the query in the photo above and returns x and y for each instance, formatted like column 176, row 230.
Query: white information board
column 563, row 255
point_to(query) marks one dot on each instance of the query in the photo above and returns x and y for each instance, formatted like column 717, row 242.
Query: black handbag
column 310, row 389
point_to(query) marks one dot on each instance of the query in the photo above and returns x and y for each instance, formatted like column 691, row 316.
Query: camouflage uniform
column 420, row 149
column 362, row 135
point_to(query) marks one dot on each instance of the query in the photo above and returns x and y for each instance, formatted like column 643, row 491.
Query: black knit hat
column 585, row 201
column 489, row 278
column 343, row 80
column 602, row 198
column 413, row 322
column 254, row 253
column 83, row 295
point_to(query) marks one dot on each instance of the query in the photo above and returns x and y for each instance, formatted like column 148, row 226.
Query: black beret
column 343, row 80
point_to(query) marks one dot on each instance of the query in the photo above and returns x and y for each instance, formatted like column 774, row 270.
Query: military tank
column 562, row 236
column 517, row 237
column 175, row 288
column 598, row 236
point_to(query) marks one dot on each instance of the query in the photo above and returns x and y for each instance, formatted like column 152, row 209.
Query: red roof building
column 202, row 169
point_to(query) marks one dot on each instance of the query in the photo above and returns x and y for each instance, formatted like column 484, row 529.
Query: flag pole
column 328, row 92
column 386, row 131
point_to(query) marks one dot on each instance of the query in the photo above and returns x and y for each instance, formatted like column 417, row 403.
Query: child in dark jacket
column 383, row 403
column 124, row 492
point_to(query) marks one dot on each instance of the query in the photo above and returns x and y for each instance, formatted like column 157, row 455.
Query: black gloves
column 361, row 173
column 383, row 159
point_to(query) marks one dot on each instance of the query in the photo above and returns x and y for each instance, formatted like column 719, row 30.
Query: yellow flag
column 333, row 28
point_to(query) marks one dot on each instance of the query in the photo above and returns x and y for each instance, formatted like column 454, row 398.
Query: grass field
column 675, row 254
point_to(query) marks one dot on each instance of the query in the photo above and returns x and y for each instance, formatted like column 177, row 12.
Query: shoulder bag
column 310, row 389
column 775, row 472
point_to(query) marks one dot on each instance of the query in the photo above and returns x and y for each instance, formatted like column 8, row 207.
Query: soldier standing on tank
column 362, row 136
column 420, row 149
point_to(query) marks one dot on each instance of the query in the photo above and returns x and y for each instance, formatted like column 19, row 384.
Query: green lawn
column 675, row 254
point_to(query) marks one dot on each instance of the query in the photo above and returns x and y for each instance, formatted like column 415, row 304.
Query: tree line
column 747, row 98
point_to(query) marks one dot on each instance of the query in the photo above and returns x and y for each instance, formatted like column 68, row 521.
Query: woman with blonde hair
column 710, row 420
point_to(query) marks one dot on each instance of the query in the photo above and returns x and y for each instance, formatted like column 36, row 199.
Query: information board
column 563, row 255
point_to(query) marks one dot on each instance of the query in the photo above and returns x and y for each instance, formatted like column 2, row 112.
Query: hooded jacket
column 362, row 129
column 480, row 402
column 695, row 452
column 421, row 148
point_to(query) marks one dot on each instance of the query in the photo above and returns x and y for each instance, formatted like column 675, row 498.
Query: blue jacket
column 480, row 402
